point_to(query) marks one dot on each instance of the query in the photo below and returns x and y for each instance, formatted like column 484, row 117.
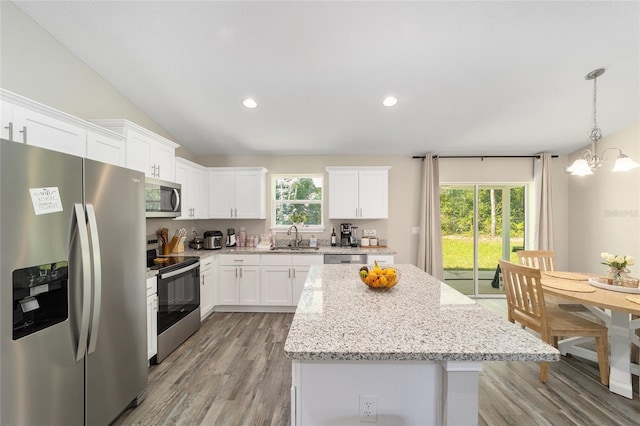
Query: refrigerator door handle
column 97, row 278
column 83, row 235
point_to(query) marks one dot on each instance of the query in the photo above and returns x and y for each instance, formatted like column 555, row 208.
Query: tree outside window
column 297, row 198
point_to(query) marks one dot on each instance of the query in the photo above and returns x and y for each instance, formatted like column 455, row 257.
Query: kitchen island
column 407, row 355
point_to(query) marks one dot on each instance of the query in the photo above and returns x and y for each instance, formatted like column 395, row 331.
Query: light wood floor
column 233, row 372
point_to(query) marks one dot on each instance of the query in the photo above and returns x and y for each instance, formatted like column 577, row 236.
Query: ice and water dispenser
column 39, row 297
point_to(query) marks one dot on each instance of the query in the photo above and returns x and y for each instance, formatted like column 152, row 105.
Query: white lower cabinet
column 152, row 317
column 207, row 285
column 382, row 259
column 239, row 279
column 283, row 277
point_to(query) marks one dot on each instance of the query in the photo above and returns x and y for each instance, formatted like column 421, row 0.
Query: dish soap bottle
column 333, row 237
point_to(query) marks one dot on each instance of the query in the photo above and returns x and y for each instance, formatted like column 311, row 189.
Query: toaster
column 213, row 240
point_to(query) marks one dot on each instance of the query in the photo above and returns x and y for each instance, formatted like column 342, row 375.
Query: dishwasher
column 336, row 259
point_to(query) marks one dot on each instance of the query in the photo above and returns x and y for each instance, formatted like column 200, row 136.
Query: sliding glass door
column 481, row 224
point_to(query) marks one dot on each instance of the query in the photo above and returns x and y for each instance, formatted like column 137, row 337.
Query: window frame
column 274, row 203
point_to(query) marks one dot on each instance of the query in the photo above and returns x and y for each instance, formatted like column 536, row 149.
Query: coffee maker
column 354, row 236
column 345, row 235
column 231, row 237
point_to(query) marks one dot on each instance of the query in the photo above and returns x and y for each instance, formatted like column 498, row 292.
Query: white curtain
column 430, row 244
column 544, row 234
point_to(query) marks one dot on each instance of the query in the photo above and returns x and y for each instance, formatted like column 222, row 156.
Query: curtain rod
column 482, row 157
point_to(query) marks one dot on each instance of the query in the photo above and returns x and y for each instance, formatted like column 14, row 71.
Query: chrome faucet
column 297, row 241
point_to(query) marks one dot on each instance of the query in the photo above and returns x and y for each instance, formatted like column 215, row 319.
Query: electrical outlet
column 369, row 232
column 368, row 408
column 415, row 230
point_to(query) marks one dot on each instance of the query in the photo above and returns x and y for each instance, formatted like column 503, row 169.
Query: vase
column 617, row 274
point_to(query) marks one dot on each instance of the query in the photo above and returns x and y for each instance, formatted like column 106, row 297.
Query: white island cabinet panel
column 415, row 349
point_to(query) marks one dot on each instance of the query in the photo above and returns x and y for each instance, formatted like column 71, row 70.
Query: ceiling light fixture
column 589, row 160
column 249, row 103
column 389, row 101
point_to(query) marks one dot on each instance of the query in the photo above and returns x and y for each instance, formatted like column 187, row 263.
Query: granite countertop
column 252, row 250
column 304, row 250
column 340, row 318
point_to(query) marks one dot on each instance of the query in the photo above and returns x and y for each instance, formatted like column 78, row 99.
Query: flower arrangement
column 617, row 266
column 615, row 261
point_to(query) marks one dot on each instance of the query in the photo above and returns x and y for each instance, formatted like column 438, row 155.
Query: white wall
column 604, row 207
column 35, row 65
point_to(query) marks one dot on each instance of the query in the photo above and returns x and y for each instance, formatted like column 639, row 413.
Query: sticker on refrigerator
column 46, row 200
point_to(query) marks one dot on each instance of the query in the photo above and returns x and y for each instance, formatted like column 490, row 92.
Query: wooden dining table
column 615, row 310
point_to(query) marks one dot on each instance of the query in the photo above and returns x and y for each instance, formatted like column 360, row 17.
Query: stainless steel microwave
column 162, row 199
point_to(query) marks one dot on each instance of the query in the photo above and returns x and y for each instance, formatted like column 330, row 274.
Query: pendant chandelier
column 590, row 161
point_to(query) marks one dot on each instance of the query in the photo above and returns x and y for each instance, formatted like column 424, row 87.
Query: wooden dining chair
column 526, row 305
column 545, row 260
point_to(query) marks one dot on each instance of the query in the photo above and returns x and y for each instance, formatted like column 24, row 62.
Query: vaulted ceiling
column 479, row 77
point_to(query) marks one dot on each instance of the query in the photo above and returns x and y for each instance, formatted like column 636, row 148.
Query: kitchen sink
column 291, row 248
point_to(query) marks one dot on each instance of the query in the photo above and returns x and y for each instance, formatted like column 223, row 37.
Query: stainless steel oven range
column 178, row 302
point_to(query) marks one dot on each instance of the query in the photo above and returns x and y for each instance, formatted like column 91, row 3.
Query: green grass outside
column 458, row 252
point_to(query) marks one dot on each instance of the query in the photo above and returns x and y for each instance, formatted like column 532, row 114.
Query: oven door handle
column 178, row 271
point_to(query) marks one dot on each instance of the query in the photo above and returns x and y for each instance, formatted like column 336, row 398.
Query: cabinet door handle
column 231, row 212
column 158, row 170
column 236, row 272
column 24, row 134
column 241, row 272
column 289, row 272
column 294, row 273
column 10, row 127
column 236, row 212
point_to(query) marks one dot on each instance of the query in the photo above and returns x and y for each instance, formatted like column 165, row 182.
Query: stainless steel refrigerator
column 72, row 288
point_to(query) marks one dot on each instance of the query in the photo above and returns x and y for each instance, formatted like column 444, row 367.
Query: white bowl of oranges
column 378, row 277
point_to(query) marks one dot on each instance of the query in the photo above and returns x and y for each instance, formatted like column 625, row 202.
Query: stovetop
column 168, row 263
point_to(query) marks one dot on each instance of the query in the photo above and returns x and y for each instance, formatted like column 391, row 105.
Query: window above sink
column 297, row 199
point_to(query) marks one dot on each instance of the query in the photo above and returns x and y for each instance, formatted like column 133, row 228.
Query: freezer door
column 40, row 380
column 117, row 357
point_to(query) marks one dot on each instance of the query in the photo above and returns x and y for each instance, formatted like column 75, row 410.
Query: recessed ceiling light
column 390, row 101
column 249, row 103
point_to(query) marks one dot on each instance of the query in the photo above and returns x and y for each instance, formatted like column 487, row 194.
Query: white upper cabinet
column 195, row 198
column 145, row 151
column 358, row 192
column 237, row 192
column 27, row 121
column 105, row 147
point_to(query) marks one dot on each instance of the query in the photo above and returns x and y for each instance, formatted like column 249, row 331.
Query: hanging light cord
column 595, row 133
